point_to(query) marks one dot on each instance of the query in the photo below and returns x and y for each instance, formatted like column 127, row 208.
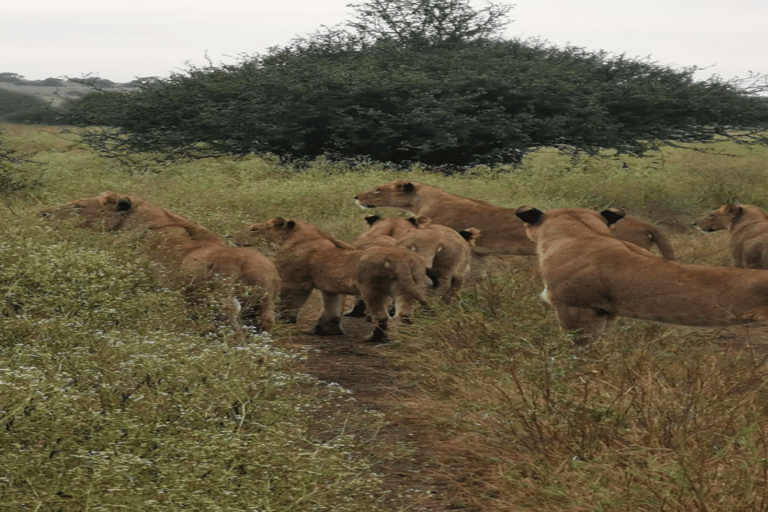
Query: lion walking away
column 590, row 278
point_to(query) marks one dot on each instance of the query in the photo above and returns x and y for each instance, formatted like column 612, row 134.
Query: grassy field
column 116, row 394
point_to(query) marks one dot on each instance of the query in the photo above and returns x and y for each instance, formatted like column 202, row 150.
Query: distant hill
column 55, row 90
column 29, row 101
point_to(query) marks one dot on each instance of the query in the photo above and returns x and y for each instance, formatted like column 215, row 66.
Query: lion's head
column 105, row 211
column 568, row 218
column 397, row 194
column 719, row 219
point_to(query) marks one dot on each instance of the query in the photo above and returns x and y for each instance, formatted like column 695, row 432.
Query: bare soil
column 413, row 479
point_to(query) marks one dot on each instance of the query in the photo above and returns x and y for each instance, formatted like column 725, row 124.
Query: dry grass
column 653, row 417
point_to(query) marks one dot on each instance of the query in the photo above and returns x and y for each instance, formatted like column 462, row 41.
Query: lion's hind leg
column 329, row 323
column 260, row 313
column 377, row 304
column 291, row 302
column 587, row 324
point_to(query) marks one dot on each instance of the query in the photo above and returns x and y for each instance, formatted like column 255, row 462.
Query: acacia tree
column 439, row 93
column 427, row 23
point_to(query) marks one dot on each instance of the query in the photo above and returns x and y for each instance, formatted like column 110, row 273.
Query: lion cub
column 448, row 252
column 747, row 227
column 591, row 277
column 308, row 259
column 198, row 256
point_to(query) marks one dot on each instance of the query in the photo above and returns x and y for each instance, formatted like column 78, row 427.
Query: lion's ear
column 529, row 214
column 108, row 198
column 120, row 203
column 413, row 220
column 733, row 209
column 371, row 219
column 406, row 186
column 613, row 215
column 276, row 222
column 470, row 235
column 422, row 221
column 290, row 225
column 124, row 204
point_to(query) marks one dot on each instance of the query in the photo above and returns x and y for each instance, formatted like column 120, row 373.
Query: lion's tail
column 663, row 243
column 412, row 278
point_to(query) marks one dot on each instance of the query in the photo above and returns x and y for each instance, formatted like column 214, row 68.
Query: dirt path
column 372, row 376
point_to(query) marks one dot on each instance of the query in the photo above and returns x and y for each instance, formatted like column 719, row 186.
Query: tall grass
column 116, row 393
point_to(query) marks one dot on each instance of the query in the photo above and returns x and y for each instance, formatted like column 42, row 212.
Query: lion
column 309, row 259
column 383, row 231
column 195, row 254
column 502, row 232
column 747, row 227
column 448, row 252
column 591, row 277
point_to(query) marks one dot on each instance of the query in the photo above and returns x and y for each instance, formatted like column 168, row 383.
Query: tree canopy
column 430, row 82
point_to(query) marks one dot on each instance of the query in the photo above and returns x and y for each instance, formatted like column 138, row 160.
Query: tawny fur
column 747, row 227
column 383, row 231
column 448, row 252
column 308, row 259
column 192, row 253
column 502, row 232
column 591, row 278
column 645, row 235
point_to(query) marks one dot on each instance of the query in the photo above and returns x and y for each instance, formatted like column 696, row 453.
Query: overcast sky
column 121, row 41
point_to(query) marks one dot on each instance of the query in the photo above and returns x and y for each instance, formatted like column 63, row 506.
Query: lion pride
column 591, row 277
column 747, row 227
column 309, row 259
column 502, row 232
column 201, row 258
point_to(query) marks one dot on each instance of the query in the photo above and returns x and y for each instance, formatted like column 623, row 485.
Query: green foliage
column 427, row 23
column 420, row 85
column 116, row 392
column 12, row 177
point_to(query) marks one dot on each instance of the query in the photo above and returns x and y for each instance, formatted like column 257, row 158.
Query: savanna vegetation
column 421, row 81
column 116, row 393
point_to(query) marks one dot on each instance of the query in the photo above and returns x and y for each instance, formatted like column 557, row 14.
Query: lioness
column 201, row 258
column 502, row 232
column 591, row 277
column 447, row 251
column 747, row 227
column 309, row 259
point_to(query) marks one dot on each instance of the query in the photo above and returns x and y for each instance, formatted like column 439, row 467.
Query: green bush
column 113, row 394
column 422, row 81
